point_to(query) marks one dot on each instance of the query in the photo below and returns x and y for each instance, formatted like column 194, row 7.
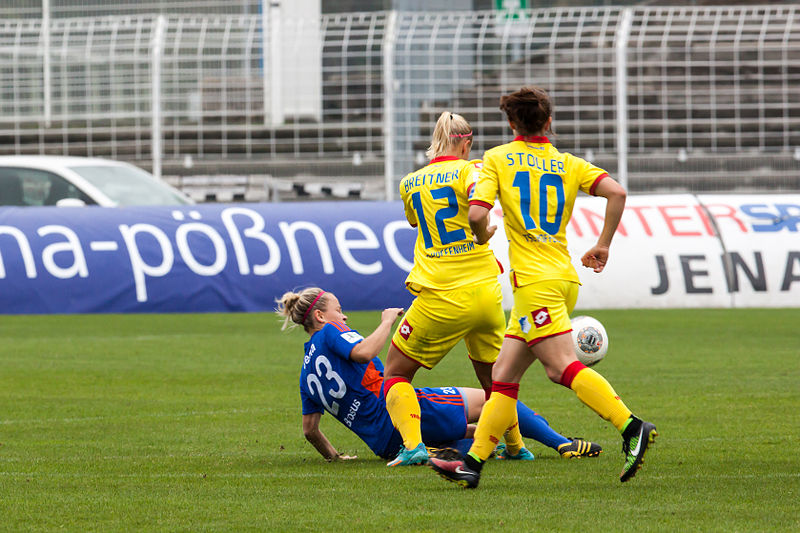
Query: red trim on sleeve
column 570, row 372
column 469, row 188
column 507, row 389
column 481, row 203
column 443, row 158
column 596, row 182
column 532, row 139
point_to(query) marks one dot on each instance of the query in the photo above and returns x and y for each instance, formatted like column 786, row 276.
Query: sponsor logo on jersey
column 541, row 317
column 405, row 330
column 352, row 336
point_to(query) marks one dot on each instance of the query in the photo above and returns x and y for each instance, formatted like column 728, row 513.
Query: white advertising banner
column 677, row 251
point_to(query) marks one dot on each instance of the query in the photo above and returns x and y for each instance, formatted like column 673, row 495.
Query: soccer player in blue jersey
column 342, row 375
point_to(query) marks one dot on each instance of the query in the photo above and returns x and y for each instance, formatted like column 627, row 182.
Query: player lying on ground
column 342, row 375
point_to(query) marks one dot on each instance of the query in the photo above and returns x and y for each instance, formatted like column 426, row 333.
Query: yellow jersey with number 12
column 435, row 199
column 537, row 186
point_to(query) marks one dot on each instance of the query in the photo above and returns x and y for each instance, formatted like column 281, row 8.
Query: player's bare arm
column 364, row 351
column 315, row 436
column 479, row 223
column 597, row 256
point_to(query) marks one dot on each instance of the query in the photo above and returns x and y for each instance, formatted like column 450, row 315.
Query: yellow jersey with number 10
column 537, row 186
column 435, row 199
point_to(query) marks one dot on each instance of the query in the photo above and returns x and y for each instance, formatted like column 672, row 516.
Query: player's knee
column 553, row 374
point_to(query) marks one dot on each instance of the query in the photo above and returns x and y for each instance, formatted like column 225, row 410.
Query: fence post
column 46, row 81
column 389, row 40
column 156, row 51
column 271, row 71
column 621, row 45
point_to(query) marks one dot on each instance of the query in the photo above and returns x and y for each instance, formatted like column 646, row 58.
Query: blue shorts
column 443, row 411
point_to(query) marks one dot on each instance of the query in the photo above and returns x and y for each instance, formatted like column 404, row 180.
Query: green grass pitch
column 192, row 423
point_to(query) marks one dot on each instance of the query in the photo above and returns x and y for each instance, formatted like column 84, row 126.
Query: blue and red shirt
column 330, row 381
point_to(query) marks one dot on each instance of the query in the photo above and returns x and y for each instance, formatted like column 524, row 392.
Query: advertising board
column 670, row 251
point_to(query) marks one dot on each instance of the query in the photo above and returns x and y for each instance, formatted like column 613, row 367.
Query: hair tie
column 461, row 134
column 451, row 116
column 313, row 303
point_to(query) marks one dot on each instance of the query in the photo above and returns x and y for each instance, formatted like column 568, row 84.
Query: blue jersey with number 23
column 352, row 392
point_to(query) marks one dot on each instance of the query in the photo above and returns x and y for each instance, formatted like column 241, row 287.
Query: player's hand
column 487, row 235
column 595, row 258
column 391, row 314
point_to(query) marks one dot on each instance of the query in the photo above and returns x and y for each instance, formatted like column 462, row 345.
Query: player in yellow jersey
column 455, row 283
column 537, row 185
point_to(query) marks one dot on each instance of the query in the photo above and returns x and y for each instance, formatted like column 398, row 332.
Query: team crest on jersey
column 541, row 317
column 405, row 329
column 525, row 324
column 351, row 336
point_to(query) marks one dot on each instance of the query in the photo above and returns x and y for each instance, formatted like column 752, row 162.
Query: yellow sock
column 593, row 390
column 513, row 437
column 498, row 414
column 403, row 407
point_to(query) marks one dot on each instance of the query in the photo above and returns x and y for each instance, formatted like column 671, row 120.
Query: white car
column 44, row 180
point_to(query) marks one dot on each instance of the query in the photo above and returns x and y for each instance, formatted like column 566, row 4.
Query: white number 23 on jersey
column 326, row 372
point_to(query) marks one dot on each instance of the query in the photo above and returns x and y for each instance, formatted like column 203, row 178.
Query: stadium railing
column 709, row 93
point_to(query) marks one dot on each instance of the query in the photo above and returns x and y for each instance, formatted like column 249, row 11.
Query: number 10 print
column 522, row 180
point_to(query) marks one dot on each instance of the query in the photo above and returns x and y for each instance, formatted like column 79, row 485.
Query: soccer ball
column 590, row 339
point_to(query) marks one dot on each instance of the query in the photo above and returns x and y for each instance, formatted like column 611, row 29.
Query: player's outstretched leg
column 456, row 471
column 637, row 437
column 579, row 448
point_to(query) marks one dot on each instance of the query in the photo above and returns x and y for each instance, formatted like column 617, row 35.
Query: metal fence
column 98, row 8
column 670, row 99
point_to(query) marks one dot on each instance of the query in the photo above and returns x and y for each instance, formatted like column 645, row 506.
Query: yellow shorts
column 438, row 319
column 542, row 310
